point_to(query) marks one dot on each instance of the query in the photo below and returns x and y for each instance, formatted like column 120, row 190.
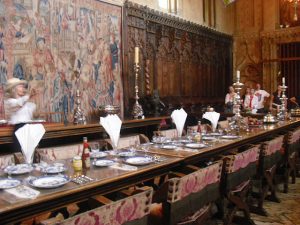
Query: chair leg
column 261, row 195
column 270, row 175
column 238, row 199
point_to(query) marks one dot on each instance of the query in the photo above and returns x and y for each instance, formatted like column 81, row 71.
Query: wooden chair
column 223, row 124
column 130, row 210
column 186, row 198
column 236, row 182
column 6, row 160
column 291, row 156
column 171, row 133
column 127, row 141
column 270, row 155
column 59, row 152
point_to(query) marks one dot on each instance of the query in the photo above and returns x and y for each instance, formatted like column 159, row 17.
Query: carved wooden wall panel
column 185, row 62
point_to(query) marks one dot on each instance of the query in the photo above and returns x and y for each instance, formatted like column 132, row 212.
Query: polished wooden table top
column 109, row 179
column 105, row 179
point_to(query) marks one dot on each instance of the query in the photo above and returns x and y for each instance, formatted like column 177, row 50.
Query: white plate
column 126, row 154
column 214, row 134
column 139, row 160
column 103, row 162
column 229, row 137
column 18, row 169
column 48, row 181
column 208, row 138
column 54, row 169
column 195, row 145
column 182, row 141
column 98, row 154
column 9, row 183
column 169, row 147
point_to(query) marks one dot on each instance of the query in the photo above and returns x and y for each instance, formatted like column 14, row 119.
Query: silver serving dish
column 269, row 118
column 295, row 112
column 109, row 109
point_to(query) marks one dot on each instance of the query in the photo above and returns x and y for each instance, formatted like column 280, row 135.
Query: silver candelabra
column 283, row 108
column 137, row 111
column 79, row 117
column 237, row 102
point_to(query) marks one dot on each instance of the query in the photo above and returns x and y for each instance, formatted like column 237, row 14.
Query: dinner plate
column 98, row 154
column 9, row 183
column 139, row 160
column 52, row 169
column 230, row 136
column 18, row 169
column 103, row 162
column 169, row 147
column 182, row 141
column 126, row 154
column 208, row 138
column 195, row 145
column 48, row 181
column 214, row 134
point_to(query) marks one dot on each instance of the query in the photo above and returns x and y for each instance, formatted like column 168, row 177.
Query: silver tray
column 6, row 183
column 48, row 181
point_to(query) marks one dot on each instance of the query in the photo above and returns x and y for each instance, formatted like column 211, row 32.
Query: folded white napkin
column 29, row 137
column 179, row 116
column 112, row 125
column 213, row 117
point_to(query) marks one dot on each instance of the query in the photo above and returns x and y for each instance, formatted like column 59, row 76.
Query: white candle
column 136, row 55
column 283, row 80
column 238, row 75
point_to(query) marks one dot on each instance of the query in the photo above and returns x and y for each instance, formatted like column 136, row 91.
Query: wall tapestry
column 45, row 41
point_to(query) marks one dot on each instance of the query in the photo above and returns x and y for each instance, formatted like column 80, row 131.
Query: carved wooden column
column 147, row 77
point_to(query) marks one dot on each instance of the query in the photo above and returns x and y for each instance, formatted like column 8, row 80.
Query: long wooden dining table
column 108, row 179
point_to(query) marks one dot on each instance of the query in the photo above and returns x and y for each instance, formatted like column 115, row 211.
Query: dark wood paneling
column 188, row 63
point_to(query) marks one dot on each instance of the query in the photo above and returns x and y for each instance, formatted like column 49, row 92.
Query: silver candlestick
column 237, row 102
column 137, row 111
column 283, row 108
column 79, row 117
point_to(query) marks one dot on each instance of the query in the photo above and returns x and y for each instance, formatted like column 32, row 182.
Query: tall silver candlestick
column 237, row 101
column 137, row 111
column 79, row 117
column 283, row 108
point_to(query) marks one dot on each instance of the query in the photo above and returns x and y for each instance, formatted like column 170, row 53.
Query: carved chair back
column 6, row 160
column 132, row 210
column 241, row 166
column 187, row 195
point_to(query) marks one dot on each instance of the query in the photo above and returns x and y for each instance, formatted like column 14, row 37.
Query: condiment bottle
column 198, row 136
column 86, row 161
column 77, row 163
column 199, row 127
